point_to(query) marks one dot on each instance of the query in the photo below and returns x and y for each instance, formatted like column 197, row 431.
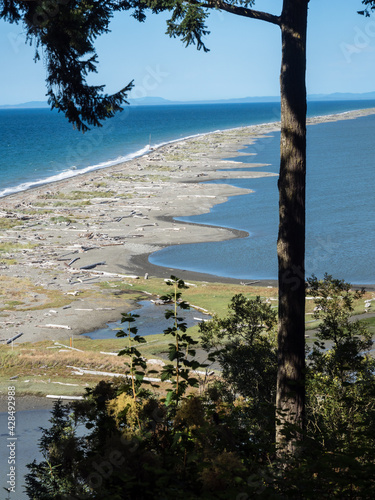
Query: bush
column 221, row 445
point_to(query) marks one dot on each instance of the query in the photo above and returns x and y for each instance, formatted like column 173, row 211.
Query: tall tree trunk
column 290, row 400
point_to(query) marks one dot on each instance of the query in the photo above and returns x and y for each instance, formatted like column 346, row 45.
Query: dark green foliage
column 245, row 345
column 181, row 352
column 59, row 474
column 137, row 365
column 349, row 341
column 139, row 447
column 64, row 32
column 220, row 445
column 340, row 452
column 370, row 6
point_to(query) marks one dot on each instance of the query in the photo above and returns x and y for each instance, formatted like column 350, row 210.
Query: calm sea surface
column 39, row 146
column 28, row 433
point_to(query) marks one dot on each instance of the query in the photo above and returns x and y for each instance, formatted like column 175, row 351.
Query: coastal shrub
column 244, row 343
column 220, row 445
column 139, row 445
column 337, row 458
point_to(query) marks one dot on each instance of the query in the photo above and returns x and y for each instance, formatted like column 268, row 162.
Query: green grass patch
column 370, row 322
column 83, row 203
column 8, row 262
column 42, row 368
column 214, row 297
column 13, row 247
column 61, row 218
column 79, row 195
column 17, row 294
column 9, row 223
column 13, row 303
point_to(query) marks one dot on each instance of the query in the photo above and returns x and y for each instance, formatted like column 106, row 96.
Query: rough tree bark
column 290, row 401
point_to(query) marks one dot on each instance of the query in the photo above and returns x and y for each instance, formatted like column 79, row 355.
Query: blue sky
column 244, row 59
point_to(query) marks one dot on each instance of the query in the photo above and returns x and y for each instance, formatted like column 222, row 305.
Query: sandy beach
column 61, row 241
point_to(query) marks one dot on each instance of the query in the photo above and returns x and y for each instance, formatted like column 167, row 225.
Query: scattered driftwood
column 158, row 362
column 105, row 273
column 204, row 311
column 73, row 260
column 82, row 371
column 63, row 383
column 9, row 341
column 66, row 254
column 160, row 302
column 206, row 373
column 68, row 347
column 63, row 327
column 115, row 244
column 75, row 398
column 86, row 249
column 92, row 266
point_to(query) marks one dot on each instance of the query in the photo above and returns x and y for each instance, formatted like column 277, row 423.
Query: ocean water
column 28, row 433
column 39, row 146
column 340, row 217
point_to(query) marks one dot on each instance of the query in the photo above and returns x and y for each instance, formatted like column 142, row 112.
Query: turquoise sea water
column 39, row 146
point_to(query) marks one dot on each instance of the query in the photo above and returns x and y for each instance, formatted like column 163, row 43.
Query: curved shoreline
column 114, row 218
column 164, row 270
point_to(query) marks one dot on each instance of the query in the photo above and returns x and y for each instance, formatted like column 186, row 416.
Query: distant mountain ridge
column 26, row 105
column 159, row 101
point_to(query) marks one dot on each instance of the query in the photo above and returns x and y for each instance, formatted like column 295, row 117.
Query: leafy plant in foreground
column 137, row 365
column 181, row 351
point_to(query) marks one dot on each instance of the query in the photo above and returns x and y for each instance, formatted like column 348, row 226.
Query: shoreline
column 115, row 217
column 275, row 126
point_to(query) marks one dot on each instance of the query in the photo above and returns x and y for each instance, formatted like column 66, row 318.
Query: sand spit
column 105, row 222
